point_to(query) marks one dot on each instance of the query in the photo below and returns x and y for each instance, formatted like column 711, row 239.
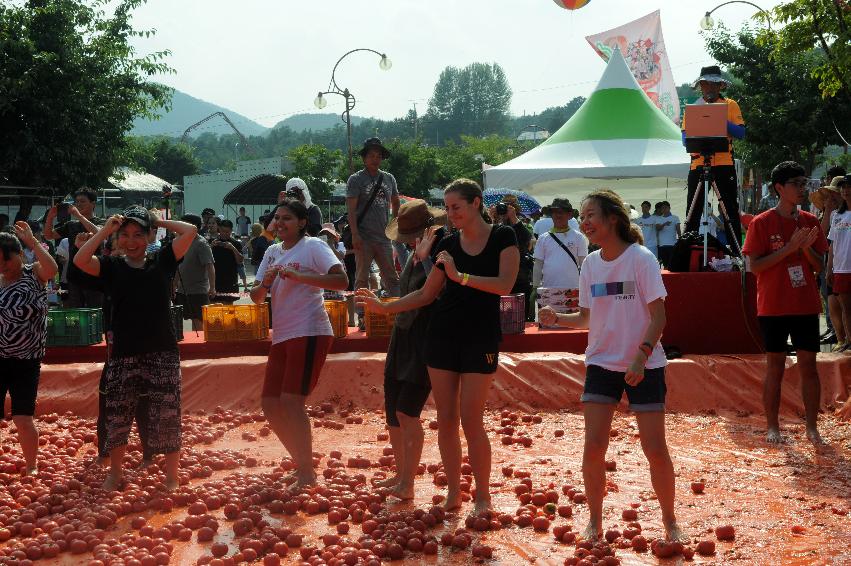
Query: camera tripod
column 705, row 145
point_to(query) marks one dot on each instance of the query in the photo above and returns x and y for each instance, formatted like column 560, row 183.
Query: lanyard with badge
column 796, row 272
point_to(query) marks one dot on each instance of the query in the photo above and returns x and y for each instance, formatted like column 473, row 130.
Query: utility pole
column 415, row 121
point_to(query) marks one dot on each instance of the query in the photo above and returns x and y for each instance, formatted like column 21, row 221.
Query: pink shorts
column 294, row 365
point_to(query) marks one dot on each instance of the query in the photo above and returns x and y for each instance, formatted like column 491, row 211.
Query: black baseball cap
column 137, row 214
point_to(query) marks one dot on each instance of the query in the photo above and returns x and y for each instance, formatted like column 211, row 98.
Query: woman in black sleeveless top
column 477, row 264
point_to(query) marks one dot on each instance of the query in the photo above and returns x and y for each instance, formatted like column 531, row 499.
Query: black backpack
column 688, row 252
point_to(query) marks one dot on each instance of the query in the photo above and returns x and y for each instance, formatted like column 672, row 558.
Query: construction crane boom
column 224, row 117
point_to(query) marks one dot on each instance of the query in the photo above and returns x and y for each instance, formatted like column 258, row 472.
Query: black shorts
column 192, row 304
column 802, row 328
column 403, row 397
column 606, row 386
column 461, row 356
column 19, row 378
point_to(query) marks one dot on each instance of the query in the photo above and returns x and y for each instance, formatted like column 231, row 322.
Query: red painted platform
column 707, row 313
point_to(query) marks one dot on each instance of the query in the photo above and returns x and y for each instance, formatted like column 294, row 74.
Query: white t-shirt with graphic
column 298, row 309
column 648, row 229
column 558, row 269
column 667, row 236
column 840, row 240
column 617, row 293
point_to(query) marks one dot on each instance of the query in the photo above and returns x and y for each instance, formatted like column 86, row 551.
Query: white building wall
column 208, row 191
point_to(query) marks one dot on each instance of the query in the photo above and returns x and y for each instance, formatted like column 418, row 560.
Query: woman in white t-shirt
column 621, row 300
column 294, row 273
column 839, row 258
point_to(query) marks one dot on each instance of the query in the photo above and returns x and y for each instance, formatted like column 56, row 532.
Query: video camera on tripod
column 706, row 134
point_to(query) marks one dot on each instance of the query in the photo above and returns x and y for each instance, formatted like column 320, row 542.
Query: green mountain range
column 315, row 122
column 187, row 110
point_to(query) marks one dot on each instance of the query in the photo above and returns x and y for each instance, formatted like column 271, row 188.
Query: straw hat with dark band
column 413, row 219
column 819, row 197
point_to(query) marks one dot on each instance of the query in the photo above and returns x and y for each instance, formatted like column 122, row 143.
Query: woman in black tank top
column 477, row 265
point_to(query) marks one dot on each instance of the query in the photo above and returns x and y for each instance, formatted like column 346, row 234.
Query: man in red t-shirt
column 786, row 248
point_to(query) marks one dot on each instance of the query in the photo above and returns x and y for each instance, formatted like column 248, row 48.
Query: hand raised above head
column 113, row 223
column 81, row 239
column 24, row 233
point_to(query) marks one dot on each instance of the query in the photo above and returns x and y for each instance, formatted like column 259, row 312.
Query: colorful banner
column 643, row 47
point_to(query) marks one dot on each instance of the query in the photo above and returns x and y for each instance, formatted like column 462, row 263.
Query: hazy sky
column 267, row 59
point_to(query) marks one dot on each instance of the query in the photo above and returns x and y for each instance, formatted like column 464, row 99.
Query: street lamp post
column 706, row 22
column 320, row 102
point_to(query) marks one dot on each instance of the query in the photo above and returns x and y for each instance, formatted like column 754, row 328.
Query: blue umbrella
column 528, row 204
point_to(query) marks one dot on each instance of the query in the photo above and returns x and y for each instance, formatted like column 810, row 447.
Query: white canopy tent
column 618, row 139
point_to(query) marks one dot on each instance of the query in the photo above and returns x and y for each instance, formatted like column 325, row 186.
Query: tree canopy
column 780, row 97
column 316, row 165
column 474, row 100
column 70, row 86
column 821, row 24
column 162, row 157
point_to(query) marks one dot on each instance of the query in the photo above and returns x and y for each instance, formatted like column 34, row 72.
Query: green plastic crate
column 74, row 327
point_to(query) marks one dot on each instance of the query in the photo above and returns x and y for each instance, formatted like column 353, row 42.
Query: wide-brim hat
column 329, row 229
column 819, row 197
column 414, row 217
column 374, row 143
column 558, row 204
column 711, row 74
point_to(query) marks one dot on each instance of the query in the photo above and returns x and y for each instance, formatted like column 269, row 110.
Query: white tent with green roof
column 618, row 133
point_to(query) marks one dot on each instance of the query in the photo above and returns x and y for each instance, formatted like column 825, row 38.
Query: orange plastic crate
column 338, row 314
column 225, row 323
column 378, row 324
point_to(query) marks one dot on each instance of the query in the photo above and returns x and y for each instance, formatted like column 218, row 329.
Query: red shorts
column 294, row 365
column 841, row 283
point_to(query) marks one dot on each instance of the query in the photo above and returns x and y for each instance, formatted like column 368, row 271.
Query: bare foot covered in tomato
column 302, row 482
column 289, row 479
column 452, row 502
column 386, row 482
column 591, row 533
column 112, row 482
column 481, row 506
column 673, row 533
column 815, row 438
column 402, row 491
column 844, row 413
column 171, row 484
column 773, row 436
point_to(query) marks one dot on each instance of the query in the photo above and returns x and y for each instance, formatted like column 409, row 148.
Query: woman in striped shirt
column 23, row 330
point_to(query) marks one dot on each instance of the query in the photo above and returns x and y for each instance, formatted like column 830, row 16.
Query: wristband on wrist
column 465, row 278
column 267, row 286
